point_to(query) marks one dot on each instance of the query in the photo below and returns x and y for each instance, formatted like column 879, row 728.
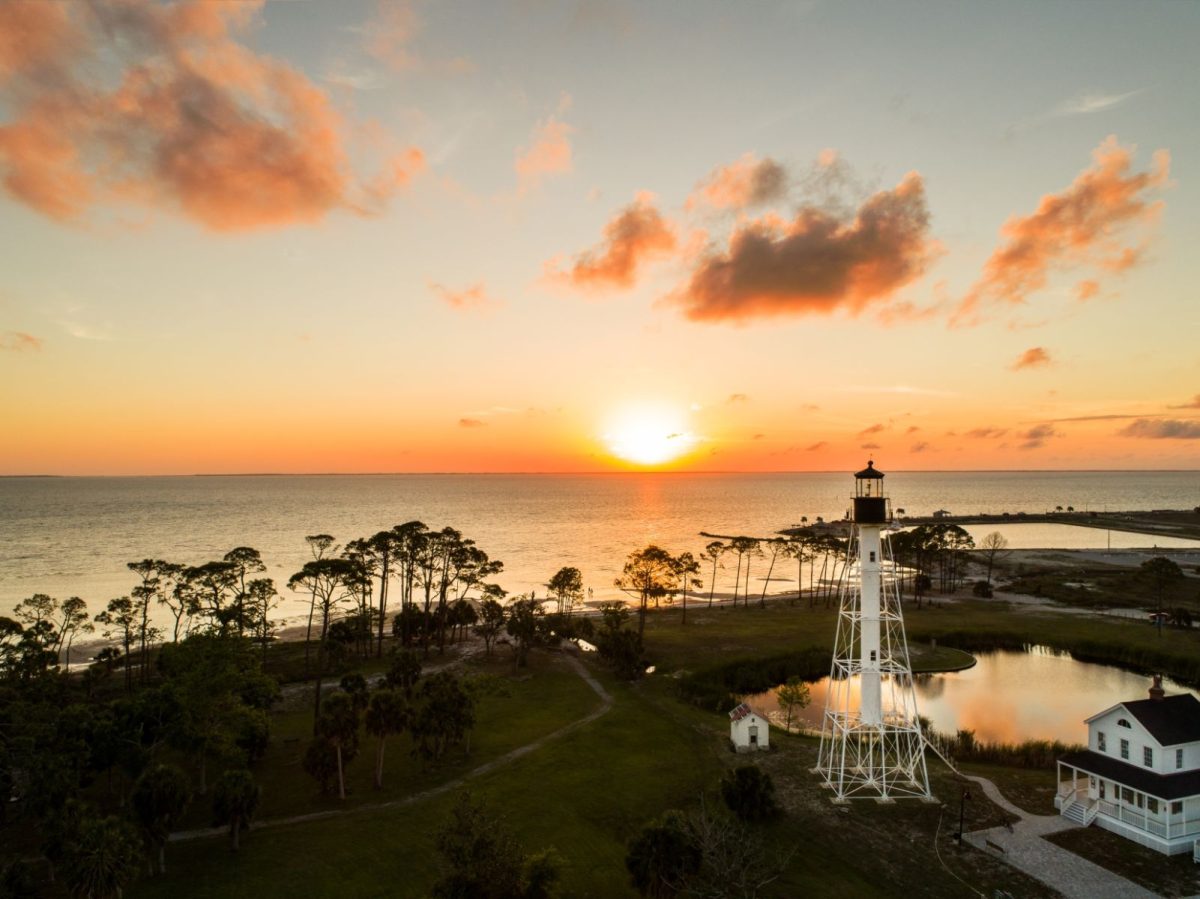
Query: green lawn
column 1168, row 876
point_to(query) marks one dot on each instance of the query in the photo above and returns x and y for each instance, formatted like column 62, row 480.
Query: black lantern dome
column 870, row 505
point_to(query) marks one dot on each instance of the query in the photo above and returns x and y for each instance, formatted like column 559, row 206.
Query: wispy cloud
column 983, row 433
column 1162, row 429
column 20, row 342
column 548, row 151
column 1086, row 104
column 903, row 389
column 1194, row 404
column 471, row 423
column 1034, row 357
column 748, row 181
column 470, row 299
column 1078, row 226
column 1036, row 437
column 737, row 398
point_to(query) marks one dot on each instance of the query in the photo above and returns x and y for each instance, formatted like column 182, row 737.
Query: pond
column 1051, row 535
column 1006, row 697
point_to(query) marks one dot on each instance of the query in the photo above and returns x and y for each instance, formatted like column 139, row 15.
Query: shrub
column 749, row 793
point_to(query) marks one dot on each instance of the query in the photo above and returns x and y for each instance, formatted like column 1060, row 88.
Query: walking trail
column 1022, row 847
column 606, row 703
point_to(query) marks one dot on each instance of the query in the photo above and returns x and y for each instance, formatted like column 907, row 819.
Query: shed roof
column 740, row 712
column 1164, row 786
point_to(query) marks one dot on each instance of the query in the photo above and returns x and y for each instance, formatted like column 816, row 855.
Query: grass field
column 587, row 792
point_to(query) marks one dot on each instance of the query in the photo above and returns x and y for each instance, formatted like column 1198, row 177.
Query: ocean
column 73, row 536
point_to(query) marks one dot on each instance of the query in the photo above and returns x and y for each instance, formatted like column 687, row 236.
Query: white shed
column 748, row 732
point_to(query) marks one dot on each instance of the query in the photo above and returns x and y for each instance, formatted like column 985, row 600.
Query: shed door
column 753, row 734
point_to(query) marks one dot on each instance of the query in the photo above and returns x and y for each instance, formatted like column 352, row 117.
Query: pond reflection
column 1007, row 697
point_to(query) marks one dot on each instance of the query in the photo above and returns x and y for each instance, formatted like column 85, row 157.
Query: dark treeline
column 720, row 687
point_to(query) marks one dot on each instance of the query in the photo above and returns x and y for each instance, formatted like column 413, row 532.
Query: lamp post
column 962, row 803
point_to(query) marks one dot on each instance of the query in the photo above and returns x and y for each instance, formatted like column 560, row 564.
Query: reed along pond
column 1006, row 697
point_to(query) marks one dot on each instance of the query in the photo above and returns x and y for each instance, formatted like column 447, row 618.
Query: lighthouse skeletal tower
column 871, row 741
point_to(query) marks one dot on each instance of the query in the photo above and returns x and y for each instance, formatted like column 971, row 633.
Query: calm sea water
column 73, row 536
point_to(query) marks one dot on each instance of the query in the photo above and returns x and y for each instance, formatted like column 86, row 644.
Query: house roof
column 740, row 712
column 1170, row 720
column 1164, row 786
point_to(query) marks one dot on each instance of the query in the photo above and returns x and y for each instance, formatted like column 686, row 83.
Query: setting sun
column 648, row 435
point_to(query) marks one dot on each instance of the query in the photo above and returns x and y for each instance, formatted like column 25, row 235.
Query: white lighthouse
column 871, row 741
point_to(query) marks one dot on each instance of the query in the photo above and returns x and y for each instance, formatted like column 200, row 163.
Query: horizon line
column 646, row 471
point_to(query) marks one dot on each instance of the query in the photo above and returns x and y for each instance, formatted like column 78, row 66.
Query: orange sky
column 389, row 237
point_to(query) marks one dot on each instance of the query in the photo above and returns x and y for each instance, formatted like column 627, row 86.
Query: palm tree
column 102, row 858
column 159, row 799
column 387, row 714
column 339, row 725
column 685, row 568
column 778, row 544
column 712, row 553
column 235, row 800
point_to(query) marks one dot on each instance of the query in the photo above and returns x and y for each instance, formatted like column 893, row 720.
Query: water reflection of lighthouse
column 871, row 742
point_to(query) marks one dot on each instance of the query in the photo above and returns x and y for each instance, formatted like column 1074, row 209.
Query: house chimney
column 1156, row 691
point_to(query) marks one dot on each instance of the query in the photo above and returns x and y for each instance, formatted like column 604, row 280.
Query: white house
column 747, row 731
column 1140, row 775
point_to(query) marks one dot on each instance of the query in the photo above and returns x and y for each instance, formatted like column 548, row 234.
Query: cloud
column 919, row 447
column 758, row 436
column 912, row 429
column 194, row 121
column 1034, row 357
column 471, row 423
column 738, row 398
column 874, row 429
column 1085, row 290
column 903, row 389
column 870, row 446
column 985, row 433
column 1036, row 436
column 1162, row 429
column 819, row 445
column 818, row 262
column 549, row 153
column 1074, row 227
column 1090, row 103
column 636, row 235
column 1111, row 417
column 1194, row 404
column 473, row 298
column 749, row 181
column 20, row 342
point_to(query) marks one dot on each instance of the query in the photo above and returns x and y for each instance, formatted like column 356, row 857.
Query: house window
column 1178, row 759
column 872, row 555
column 1127, row 795
column 1123, row 722
column 1100, row 744
column 1101, row 789
column 1141, row 800
column 1176, row 808
column 1147, row 756
column 1152, row 805
column 1125, row 749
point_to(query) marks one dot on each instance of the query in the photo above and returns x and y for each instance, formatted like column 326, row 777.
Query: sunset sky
column 591, row 236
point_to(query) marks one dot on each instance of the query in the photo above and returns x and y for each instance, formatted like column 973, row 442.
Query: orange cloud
column 1034, row 357
column 817, row 263
column 33, row 35
column 985, row 433
column 638, row 233
column 548, row 153
column 470, row 298
column 19, row 341
column 196, row 122
column 1162, row 429
column 1085, row 290
column 1036, row 436
column 1069, row 228
column 749, row 181
column 1194, row 404
column 471, row 423
column 819, row 445
column 874, row 429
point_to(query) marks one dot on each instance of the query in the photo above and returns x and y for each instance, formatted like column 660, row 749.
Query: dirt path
column 606, row 703
column 1022, row 847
